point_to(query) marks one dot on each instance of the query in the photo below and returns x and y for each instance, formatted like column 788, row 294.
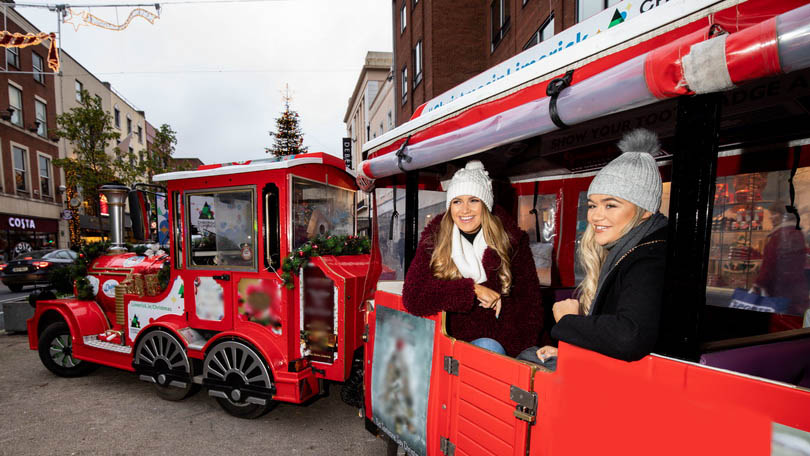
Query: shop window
column 539, row 213
column 221, row 227
column 320, row 209
column 499, row 10
column 20, row 169
column 758, row 256
column 15, row 103
column 41, row 112
column 391, row 219
column 44, row 175
column 38, row 65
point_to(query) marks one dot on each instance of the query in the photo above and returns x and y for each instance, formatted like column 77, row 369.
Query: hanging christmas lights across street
column 20, row 40
column 78, row 19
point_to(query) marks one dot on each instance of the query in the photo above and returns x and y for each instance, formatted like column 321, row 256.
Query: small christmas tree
column 288, row 138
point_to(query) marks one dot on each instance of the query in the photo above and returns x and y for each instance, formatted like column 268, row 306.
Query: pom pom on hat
column 633, row 175
column 471, row 180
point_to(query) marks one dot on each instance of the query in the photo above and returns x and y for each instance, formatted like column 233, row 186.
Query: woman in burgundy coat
column 475, row 263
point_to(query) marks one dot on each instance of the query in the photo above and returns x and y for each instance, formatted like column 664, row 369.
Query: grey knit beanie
column 471, row 180
column 633, row 175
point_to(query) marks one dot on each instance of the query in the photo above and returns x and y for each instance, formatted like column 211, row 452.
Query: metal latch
column 451, row 365
column 526, row 408
column 447, row 447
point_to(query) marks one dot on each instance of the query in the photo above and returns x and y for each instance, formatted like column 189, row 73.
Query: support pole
column 411, row 216
column 694, row 169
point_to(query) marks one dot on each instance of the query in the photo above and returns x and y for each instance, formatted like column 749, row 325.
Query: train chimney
column 116, row 195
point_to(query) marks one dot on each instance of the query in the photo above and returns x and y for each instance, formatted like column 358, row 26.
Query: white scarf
column 467, row 256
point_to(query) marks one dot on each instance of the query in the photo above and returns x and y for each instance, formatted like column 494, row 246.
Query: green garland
column 319, row 246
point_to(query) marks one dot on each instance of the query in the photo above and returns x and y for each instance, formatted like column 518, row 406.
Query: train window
column 222, row 229
column 758, row 255
column 537, row 216
column 391, row 209
column 320, row 209
column 272, row 249
column 178, row 230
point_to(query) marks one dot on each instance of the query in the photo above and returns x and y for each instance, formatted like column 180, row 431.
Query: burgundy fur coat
column 521, row 318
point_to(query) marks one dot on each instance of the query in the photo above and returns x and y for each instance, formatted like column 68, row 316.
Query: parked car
column 34, row 268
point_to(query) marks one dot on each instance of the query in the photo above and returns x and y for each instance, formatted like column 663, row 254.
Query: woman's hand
column 488, row 298
column 565, row 307
column 546, row 352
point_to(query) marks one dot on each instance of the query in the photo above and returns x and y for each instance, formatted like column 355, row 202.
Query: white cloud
column 215, row 72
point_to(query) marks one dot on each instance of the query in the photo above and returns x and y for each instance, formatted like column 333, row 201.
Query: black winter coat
column 626, row 314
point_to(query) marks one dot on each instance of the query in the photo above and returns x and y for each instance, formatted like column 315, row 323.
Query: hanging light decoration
column 78, row 19
column 20, row 40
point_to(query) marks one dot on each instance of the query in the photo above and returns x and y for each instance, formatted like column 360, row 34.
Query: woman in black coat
column 623, row 251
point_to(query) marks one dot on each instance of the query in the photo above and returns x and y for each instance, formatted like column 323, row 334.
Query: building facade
column 362, row 114
column 30, row 185
column 439, row 44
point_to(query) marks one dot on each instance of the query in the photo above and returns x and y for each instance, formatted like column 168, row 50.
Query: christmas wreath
column 319, row 246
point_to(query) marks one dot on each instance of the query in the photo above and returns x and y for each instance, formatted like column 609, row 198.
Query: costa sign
column 22, row 223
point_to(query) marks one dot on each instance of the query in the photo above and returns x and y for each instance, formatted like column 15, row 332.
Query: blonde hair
column 592, row 257
column 441, row 261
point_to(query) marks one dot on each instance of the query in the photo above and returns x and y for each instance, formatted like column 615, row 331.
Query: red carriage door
column 221, row 249
column 491, row 404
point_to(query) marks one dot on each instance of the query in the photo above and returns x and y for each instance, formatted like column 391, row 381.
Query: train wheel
column 239, row 380
column 161, row 359
column 56, row 352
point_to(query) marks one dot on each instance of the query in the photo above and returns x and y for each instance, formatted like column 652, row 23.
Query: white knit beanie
column 471, row 180
column 633, row 175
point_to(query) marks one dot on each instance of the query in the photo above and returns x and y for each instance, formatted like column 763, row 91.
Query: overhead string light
column 78, row 19
column 20, row 40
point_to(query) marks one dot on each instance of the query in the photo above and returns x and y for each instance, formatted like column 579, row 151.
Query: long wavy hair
column 441, row 261
column 592, row 257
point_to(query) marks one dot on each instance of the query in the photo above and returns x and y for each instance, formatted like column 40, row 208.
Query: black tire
column 352, row 391
column 15, row 288
column 229, row 368
column 245, row 411
column 56, row 352
column 156, row 351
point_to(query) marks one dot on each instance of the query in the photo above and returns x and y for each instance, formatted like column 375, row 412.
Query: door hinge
column 225, row 277
column 526, row 408
column 451, row 365
column 447, row 447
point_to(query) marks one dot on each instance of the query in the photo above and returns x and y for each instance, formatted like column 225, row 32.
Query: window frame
column 42, row 125
column 39, row 72
column 140, row 134
column 117, row 117
column 605, row 5
column 403, row 17
column 15, row 61
column 187, row 228
column 18, row 110
column 49, row 167
column 504, row 22
column 129, row 125
column 26, row 170
column 418, row 53
column 290, row 209
column 79, row 87
column 538, row 34
column 404, row 82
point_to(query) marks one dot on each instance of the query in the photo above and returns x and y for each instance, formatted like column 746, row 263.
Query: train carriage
column 725, row 85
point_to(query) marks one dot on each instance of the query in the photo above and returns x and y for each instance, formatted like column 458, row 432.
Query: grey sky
column 215, row 72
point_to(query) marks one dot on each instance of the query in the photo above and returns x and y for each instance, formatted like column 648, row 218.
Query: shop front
column 23, row 233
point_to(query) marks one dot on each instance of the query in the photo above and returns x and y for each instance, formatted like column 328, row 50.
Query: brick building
column 439, row 44
column 30, row 197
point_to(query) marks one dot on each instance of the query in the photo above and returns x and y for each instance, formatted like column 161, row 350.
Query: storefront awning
column 718, row 52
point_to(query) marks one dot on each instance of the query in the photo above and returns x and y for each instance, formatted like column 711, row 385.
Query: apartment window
column 13, row 56
column 38, row 64
column 390, row 120
column 41, row 111
column 117, row 117
column 20, row 168
column 403, row 14
column 79, row 89
column 381, row 128
column 587, row 8
column 132, row 157
column 129, row 125
column 404, row 84
column 15, row 102
column 45, row 175
column 545, row 32
column 140, row 134
column 417, row 63
column 500, row 20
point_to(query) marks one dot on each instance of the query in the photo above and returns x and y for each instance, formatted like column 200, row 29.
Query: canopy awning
column 712, row 53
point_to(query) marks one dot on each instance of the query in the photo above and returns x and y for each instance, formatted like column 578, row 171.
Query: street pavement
column 111, row 412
